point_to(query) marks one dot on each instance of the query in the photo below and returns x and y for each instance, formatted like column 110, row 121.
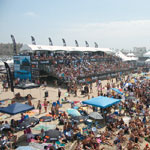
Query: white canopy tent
column 130, row 55
column 147, row 54
column 1, row 63
column 32, row 48
column 124, row 57
column 147, row 61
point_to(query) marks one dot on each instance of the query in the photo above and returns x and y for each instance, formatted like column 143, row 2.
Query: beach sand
column 38, row 94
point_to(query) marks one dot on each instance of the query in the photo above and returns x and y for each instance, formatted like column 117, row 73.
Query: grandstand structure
column 67, row 64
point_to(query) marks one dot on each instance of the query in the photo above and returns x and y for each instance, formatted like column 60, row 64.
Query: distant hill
column 7, row 49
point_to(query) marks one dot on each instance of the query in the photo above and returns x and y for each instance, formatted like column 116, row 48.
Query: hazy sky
column 110, row 23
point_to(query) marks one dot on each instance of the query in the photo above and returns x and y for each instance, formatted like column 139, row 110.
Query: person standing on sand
column 75, row 90
column 29, row 97
column 29, row 102
column 53, row 111
column 6, row 86
column 59, row 93
column 45, row 105
column 39, row 106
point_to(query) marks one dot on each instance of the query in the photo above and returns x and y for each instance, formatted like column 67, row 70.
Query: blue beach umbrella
column 117, row 90
column 73, row 112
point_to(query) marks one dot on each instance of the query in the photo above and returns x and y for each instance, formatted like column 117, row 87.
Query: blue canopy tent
column 16, row 108
column 101, row 101
column 117, row 90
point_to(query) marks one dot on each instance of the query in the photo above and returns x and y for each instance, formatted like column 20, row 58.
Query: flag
column 50, row 41
column 64, row 42
column 9, row 77
column 87, row 44
column 96, row 45
column 33, row 40
column 76, row 42
column 14, row 44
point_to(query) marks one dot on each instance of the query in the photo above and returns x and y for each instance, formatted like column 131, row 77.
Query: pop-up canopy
column 101, row 101
column 16, row 108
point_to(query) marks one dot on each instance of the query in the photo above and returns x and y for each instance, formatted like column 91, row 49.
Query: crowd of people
column 72, row 66
column 117, row 133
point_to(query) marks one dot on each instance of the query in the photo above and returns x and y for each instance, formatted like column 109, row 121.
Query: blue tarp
column 16, row 108
column 101, row 101
column 117, row 90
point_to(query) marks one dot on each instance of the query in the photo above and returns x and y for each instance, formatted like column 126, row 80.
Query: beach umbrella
column 53, row 135
column 73, row 112
column 29, row 122
column 79, row 118
column 117, row 91
column 26, row 148
column 45, row 127
column 38, row 146
column 95, row 116
column 32, row 120
column 27, row 86
column 45, row 119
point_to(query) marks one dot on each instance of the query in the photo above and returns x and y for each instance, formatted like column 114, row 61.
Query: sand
column 38, row 94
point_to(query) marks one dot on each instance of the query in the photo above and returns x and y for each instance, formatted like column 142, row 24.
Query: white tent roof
column 147, row 61
column 31, row 48
column 10, row 62
column 147, row 54
column 130, row 55
column 124, row 57
column 1, row 63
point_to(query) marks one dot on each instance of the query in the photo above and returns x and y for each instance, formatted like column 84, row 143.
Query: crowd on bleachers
column 71, row 66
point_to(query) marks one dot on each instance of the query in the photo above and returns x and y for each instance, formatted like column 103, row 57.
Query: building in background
column 139, row 51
